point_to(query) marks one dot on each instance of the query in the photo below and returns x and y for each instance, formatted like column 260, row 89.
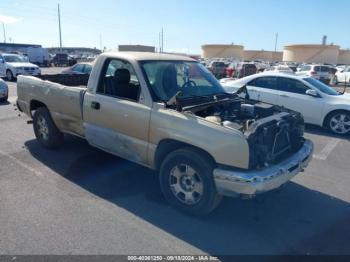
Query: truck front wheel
column 186, row 180
column 9, row 75
column 45, row 129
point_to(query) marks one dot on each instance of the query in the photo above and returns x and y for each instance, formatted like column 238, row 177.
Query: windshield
column 166, row 78
column 322, row 87
column 13, row 59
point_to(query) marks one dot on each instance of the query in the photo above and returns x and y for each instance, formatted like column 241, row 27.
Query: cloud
column 9, row 19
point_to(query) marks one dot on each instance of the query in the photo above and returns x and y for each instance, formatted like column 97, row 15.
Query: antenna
column 59, row 26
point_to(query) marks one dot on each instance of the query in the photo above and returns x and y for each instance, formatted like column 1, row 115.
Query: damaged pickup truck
column 170, row 114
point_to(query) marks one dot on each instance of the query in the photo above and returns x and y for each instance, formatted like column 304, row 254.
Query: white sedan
column 319, row 104
column 343, row 76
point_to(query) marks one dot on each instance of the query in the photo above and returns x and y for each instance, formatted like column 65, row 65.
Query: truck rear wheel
column 45, row 129
column 186, row 180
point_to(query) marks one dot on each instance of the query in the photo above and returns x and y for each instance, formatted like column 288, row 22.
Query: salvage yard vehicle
column 322, row 73
column 4, row 91
column 170, row 114
column 217, row 68
column 12, row 65
column 80, row 68
column 318, row 103
column 343, row 76
column 245, row 69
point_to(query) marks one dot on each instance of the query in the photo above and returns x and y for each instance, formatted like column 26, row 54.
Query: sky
column 187, row 24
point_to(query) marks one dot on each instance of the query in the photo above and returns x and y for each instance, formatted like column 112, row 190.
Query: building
column 11, row 47
column 136, row 48
column 311, row 53
column 77, row 51
column 344, row 57
column 269, row 56
column 223, row 51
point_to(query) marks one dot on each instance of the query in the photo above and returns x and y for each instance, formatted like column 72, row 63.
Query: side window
column 291, row 85
column 325, row 69
column 119, row 79
column 317, row 68
column 87, row 69
column 264, row 82
column 78, row 68
column 306, row 68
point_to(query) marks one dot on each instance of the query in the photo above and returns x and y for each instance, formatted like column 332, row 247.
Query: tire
column 188, row 171
column 338, row 122
column 9, row 75
column 45, row 129
column 4, row 99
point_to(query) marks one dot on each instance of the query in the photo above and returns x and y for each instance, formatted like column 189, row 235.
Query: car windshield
column 167, row 78
column 13, row 59
column 322, row 87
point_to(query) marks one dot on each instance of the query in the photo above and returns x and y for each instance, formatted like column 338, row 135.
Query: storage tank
column 222, row 51
column 344, row 57
column 311, row 53
column 270, row 56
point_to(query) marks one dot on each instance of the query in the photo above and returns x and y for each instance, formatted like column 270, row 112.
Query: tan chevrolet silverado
column 170, row 114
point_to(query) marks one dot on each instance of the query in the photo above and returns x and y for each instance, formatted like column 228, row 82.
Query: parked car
column 80, row 68
column 343, row 76
column 150, row 109
column 319, row 104
column 319, row 72
column 217, row 68
column 280, row 69
column 4, row 91
column 245, row 69
column 230, row 70
column 12, row 65
column 60, row 59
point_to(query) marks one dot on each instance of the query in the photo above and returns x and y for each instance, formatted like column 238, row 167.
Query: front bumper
column 234, row 183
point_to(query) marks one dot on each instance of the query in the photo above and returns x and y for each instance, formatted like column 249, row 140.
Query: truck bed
column 63, row 101
column 67, row 80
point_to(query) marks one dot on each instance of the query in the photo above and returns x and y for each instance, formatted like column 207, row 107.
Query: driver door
column 293, row 96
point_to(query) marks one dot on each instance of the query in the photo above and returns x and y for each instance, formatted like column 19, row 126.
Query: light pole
column 3, row 27
column 59, row 26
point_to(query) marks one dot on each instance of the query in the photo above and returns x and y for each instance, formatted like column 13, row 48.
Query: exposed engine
column 273, row 132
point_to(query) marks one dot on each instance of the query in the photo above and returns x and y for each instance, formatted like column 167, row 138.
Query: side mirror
column 312, row 92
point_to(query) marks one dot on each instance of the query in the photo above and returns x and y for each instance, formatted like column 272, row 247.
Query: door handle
column 95, row 105
column 284, row 96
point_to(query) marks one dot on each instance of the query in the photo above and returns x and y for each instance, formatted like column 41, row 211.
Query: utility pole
column 162, row 40
column 59, row 26
column 3, row 27
column 101, row 42
column 276, row 42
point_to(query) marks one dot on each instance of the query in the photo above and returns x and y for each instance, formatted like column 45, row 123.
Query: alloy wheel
column 186, row 184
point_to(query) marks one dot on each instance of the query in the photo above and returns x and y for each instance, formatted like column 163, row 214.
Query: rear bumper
column 233, row 183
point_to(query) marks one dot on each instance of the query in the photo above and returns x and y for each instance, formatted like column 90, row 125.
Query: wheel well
column 331, row 113
column 169, row 145
column 34, row 105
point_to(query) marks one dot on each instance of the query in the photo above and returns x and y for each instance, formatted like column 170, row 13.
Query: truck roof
column 146, row 56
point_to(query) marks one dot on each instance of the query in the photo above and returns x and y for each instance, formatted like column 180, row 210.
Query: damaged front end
column 273, row 132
